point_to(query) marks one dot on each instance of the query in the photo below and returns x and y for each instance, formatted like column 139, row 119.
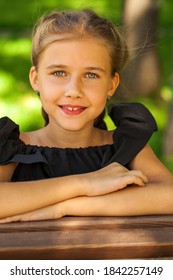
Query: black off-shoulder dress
column 134, row 127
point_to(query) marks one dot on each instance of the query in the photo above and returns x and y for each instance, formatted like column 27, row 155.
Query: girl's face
column 74, row 80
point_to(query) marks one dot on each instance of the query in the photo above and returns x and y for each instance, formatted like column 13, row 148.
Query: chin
column 72, row 129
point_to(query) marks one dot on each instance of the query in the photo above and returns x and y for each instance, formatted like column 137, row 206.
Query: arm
column 151, row 166
column 155, row 198
column 21, row 197
column 132, row 201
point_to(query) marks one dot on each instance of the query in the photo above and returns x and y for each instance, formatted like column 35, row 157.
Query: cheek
column 99, row 103
column 49, row 92
column 99, row 94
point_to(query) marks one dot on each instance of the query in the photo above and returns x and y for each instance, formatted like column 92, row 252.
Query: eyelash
column 88, row 75
column 56, row 73
column 94, row 76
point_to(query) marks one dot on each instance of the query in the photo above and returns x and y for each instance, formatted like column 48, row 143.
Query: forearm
column 22, row 197
column 148, row 200
column 131, row 201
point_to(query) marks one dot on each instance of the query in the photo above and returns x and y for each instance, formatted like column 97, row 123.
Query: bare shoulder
column 24, row 136
column 32, row 137
column 153, row 168
column 6, row 172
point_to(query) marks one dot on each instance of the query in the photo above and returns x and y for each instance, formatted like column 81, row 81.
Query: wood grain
column 89, row 238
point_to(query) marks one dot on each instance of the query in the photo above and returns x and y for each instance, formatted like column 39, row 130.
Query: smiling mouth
column 72, row 109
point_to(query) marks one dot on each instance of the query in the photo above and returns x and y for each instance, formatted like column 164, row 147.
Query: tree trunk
column 168, row 137
column 142, row 74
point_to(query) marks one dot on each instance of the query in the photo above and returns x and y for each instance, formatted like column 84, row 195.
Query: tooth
column 72, row 109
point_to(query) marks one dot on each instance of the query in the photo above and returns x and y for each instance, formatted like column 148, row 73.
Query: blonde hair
column 79, row 24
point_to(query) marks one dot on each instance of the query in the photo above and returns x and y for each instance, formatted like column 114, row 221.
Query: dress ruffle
column 134, row 127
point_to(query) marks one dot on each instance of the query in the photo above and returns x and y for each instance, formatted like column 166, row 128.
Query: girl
column 73, row 165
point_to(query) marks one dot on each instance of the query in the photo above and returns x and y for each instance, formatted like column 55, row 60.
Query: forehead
column 73, row 49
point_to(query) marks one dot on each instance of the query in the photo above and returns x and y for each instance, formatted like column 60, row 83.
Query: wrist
column 60, row 210
column 80, row 183
column 84, row 187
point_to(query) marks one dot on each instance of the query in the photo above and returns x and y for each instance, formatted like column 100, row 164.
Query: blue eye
column 59, row 73
column 91, row 76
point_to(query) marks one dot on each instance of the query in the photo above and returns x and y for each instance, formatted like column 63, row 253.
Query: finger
column 4, row 221
column 10, row 219
column 139, row 174
column 48, row 213
column 36, row 216
column 131, row 179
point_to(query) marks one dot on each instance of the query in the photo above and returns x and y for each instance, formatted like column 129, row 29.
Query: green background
column 17, row 99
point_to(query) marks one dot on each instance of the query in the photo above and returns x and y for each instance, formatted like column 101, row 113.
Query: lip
column 73, row 110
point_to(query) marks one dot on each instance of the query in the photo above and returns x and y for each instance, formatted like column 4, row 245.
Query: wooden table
column 88, row 238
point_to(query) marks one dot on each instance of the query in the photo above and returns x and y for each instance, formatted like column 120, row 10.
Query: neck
column 61, row 138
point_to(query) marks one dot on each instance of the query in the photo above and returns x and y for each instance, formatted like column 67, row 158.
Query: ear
column 33, row 77
column 114, row 84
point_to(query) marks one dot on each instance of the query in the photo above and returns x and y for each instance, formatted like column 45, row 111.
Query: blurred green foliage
column 17, row 99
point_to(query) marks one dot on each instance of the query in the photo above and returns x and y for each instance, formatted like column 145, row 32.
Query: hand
column 48, row 213
column 112, row 178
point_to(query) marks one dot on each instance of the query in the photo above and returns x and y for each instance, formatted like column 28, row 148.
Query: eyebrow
column 91, row 68
column 56, row 66
column 95, row 68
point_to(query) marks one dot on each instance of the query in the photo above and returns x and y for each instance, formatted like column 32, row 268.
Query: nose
column 73, row 88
